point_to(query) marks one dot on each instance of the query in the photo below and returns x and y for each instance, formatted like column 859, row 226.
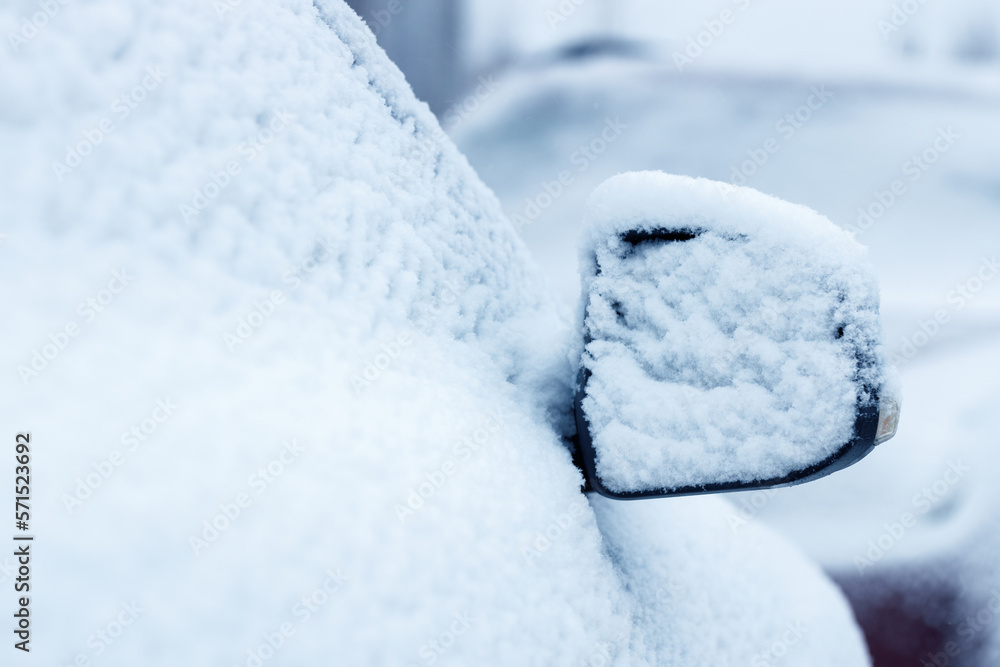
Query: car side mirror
column 731, row 341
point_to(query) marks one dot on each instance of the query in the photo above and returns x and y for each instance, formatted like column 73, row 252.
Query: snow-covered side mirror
column 731, row 341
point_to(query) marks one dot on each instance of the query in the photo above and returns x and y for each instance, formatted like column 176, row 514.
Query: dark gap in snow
column 636, row 236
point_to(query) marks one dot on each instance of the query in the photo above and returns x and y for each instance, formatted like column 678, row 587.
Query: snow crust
column 409, row 357
column 737, row 355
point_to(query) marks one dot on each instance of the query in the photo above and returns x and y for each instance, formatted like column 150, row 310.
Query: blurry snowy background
column 883, row 116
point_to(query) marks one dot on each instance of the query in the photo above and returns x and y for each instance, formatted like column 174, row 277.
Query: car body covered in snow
column 295, row 389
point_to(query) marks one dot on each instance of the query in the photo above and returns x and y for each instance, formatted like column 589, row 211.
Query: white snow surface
column 704, row 125
column 312, row 423
column 717, row 359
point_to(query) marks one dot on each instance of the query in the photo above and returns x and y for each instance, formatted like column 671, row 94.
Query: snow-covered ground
column 912, row 168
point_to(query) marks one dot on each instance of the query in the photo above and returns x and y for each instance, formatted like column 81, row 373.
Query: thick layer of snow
column 289, row 375
column 737, row 355
column 706, row 574
column 934, row 250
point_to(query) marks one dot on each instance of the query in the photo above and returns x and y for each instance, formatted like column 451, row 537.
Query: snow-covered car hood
column 294, row 387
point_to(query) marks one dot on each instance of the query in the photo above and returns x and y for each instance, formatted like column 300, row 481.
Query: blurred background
column 885, row 117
